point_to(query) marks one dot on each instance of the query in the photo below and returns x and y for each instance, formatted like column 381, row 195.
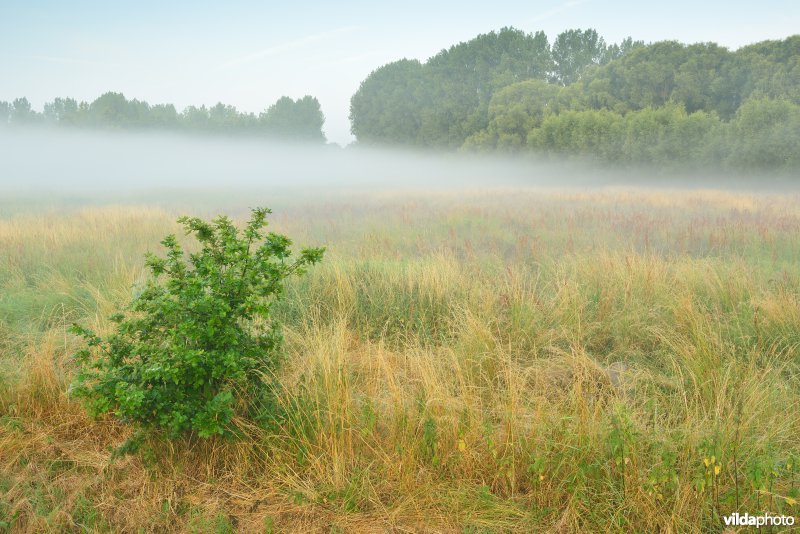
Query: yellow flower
column 462, row 445
column 705, row 461
column 716, row 469
column 541, row 477
column 790, row 501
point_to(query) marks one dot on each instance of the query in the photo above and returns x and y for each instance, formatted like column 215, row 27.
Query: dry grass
column 478, row 362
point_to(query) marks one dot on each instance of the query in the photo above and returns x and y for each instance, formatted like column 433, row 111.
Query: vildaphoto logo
column 758, row 521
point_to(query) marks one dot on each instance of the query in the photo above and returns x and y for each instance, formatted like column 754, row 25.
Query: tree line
column 666, row 102
column 286, row 119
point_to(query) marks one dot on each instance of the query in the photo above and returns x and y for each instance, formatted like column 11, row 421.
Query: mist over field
column 83, row 163
column 125, row 165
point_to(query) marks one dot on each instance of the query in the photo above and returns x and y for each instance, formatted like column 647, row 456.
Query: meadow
column 481, row 360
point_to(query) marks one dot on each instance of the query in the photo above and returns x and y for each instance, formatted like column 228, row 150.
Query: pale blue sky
column 249, row 53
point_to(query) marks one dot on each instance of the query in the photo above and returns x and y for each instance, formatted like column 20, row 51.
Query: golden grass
column 480, row 362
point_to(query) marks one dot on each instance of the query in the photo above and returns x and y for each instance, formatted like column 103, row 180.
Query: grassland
column 480, row 361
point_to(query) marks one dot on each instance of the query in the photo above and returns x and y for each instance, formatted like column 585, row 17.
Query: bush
column 194, row 346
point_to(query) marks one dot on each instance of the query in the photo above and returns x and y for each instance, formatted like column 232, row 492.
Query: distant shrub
column 192, row 349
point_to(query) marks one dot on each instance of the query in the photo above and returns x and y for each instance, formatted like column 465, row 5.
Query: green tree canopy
column 296, row 120
column 286, row 119
column 444, row 101
column 20, row 112
column 385, row 109
column 574, row 51
column 5, row 112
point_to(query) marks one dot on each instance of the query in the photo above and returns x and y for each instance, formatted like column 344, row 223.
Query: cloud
column 289, row 45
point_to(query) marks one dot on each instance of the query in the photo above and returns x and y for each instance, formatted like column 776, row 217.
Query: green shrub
column 195, row 344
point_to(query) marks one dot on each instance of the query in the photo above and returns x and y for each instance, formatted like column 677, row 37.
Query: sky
column 249, row 53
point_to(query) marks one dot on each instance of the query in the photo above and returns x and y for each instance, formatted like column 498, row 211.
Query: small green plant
column 663, row 480
column 620, row 439
column 430, row 441
column 195, row 344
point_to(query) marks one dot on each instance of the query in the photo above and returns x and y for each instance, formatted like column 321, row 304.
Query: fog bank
column 71, row 162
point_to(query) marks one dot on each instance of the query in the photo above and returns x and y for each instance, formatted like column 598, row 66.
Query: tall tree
column 5, row 112
column 61, row 111
column 574, row 51
column 299, row 120
column 21, row 112
column 443, row 101
column 386, row 107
